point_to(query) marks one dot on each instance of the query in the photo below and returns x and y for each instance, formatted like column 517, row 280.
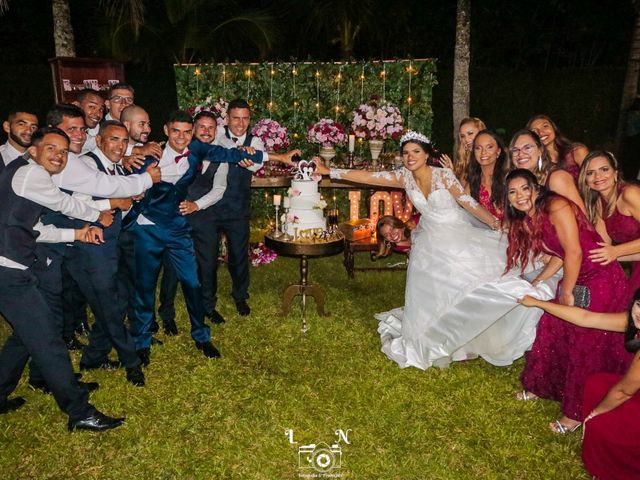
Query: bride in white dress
column 458, row 303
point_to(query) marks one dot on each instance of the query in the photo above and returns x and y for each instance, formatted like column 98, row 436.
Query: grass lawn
column 204, row 419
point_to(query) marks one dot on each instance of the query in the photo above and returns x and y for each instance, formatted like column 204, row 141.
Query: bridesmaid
column 469, row 128
column 488, row 168
column 562, row 151
column 527, row 151
column 563, row 355
column 617, row 203
column 611, row 436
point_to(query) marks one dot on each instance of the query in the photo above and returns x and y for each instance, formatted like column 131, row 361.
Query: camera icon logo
column 320, row 457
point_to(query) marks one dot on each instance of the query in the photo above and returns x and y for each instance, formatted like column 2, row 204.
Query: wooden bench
column 365, row 245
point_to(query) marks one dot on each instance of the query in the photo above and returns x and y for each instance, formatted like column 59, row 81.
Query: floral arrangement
column 260, row 254
column 377, row 121
column 320, row 205
column 217, row 107
column 293, row 192
column 326, row 133
column 273, row 135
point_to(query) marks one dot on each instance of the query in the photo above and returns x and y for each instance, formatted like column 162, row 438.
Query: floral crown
column 413, row 136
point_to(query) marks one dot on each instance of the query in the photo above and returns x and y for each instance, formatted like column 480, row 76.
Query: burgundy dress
column 611, row 444
column 564, row 355
column 570, row 164
column 622, row 229
column 485, row 201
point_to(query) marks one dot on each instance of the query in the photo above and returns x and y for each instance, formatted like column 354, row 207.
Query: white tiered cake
column 305, row 205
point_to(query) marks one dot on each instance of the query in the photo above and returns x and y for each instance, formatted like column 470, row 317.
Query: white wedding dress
column 458, row 304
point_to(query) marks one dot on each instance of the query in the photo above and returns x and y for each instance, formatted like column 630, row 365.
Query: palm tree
column 462, row 59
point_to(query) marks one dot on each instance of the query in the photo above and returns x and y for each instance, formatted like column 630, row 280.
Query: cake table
column 304, row 251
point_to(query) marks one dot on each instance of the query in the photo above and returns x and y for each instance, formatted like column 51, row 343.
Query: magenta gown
column 611, row 444
column 622, row 229
column 564, row 355
column 485, row 200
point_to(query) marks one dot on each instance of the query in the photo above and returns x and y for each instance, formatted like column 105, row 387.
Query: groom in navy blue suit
column 160, row 229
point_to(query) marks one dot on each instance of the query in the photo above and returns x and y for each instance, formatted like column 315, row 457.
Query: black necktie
column 112, row 170
column 235, row 139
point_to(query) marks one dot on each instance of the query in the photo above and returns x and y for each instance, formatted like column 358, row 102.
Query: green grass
column 203, row 419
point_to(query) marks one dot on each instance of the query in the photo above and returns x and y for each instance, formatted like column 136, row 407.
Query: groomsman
column 85, row 181
column 119, row 96
column 95, row 268
column 19, row 126
column 136, row 119
column 162, row 229
column 25, row 190
column 221, row 198
column 92, row 104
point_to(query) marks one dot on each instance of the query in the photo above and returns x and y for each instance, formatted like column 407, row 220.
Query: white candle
column 352, row 143
column 286, row 202
column 277, row 199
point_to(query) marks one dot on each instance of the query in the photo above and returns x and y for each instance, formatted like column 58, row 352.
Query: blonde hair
column 592, row 199
column 461, row 165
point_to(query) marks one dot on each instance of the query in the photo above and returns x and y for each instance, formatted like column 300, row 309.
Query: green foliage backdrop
column 316, row 90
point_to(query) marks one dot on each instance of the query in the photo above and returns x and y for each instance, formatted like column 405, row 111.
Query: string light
column 383, row 74
column 224, row 80
column 362, row 85
column 294, row 74
column 318, row 93
column 247, row 72
column 338, row 78
column 409, row 98
column 270, row 105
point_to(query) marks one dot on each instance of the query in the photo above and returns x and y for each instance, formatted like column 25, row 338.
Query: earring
column 540, row 162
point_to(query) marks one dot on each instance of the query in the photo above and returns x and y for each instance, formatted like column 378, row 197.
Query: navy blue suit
column 170, row 234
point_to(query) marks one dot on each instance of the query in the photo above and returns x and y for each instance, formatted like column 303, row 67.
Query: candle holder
column 351, row 157
column 277, row 233
column 285, row 227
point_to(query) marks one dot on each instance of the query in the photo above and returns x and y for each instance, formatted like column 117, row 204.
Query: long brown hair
column 461, row 164
column 563, row 145
column 592, row 199
column 541, row 173
column 393, row 222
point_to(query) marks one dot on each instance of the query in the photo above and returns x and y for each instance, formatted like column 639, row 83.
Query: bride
column 458, row 304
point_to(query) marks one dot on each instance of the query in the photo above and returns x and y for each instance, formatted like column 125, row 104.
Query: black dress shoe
column 145, row 356
column 215, row 317
column 156, row 341
column 97, row 422
column 170, row 328
column 105, row 365
column 10, row 404
column 243, row 308
column 135, row 375
column 208, row 349
column 154, row 327
column 73, row 343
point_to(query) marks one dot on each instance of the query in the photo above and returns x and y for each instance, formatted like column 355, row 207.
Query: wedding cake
column 306, row 208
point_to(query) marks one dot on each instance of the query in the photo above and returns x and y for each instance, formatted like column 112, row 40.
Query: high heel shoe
column 563, row 429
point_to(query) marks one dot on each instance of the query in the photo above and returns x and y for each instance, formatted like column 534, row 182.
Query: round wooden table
column 304, row 251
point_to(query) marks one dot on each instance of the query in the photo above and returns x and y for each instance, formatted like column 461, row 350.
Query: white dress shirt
column 90, row 142
column 172, row 171
column 81, row 175
column 9, row 153
column 34, row 183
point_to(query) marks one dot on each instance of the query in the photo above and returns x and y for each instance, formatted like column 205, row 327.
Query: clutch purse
column 581, row 296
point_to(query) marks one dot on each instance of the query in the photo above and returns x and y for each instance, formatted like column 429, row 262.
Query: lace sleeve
column 465, row 200
column 384, row 179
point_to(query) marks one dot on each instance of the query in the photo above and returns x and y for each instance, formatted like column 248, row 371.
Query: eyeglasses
column 526, row 149
column 119, row 99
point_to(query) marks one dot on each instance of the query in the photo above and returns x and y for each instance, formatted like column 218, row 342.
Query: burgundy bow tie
column 184, row 155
